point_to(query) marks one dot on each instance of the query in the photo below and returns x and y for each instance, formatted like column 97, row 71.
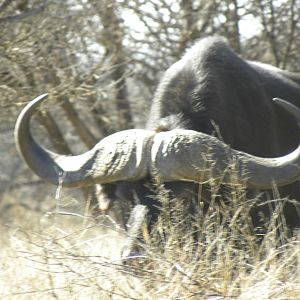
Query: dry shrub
column 215, row 255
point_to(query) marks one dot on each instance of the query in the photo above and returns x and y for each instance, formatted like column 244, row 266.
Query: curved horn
column 194, row 156
column 116, row 157
column 175, row 155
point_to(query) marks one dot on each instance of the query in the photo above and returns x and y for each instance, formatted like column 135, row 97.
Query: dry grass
column 186, row 257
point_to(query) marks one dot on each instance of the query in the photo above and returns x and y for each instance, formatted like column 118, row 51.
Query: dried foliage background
column 100, row 62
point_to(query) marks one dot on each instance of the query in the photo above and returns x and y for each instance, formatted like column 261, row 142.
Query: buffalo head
column 175, row 155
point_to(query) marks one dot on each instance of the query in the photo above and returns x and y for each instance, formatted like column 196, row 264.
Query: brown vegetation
column 58, row 256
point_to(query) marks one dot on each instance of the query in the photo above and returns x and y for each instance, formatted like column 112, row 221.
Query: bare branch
column 24, row 14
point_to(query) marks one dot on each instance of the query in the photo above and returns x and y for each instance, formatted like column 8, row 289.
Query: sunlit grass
column 201, row 256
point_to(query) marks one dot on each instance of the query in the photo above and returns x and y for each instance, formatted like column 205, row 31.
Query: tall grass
column 216, row 255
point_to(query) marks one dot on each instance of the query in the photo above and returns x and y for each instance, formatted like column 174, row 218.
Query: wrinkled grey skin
column 209, row 88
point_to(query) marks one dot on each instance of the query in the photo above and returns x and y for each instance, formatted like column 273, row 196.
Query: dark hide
column 214, row 91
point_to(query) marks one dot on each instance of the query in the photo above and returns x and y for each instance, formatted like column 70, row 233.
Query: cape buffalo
column 209, row 92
